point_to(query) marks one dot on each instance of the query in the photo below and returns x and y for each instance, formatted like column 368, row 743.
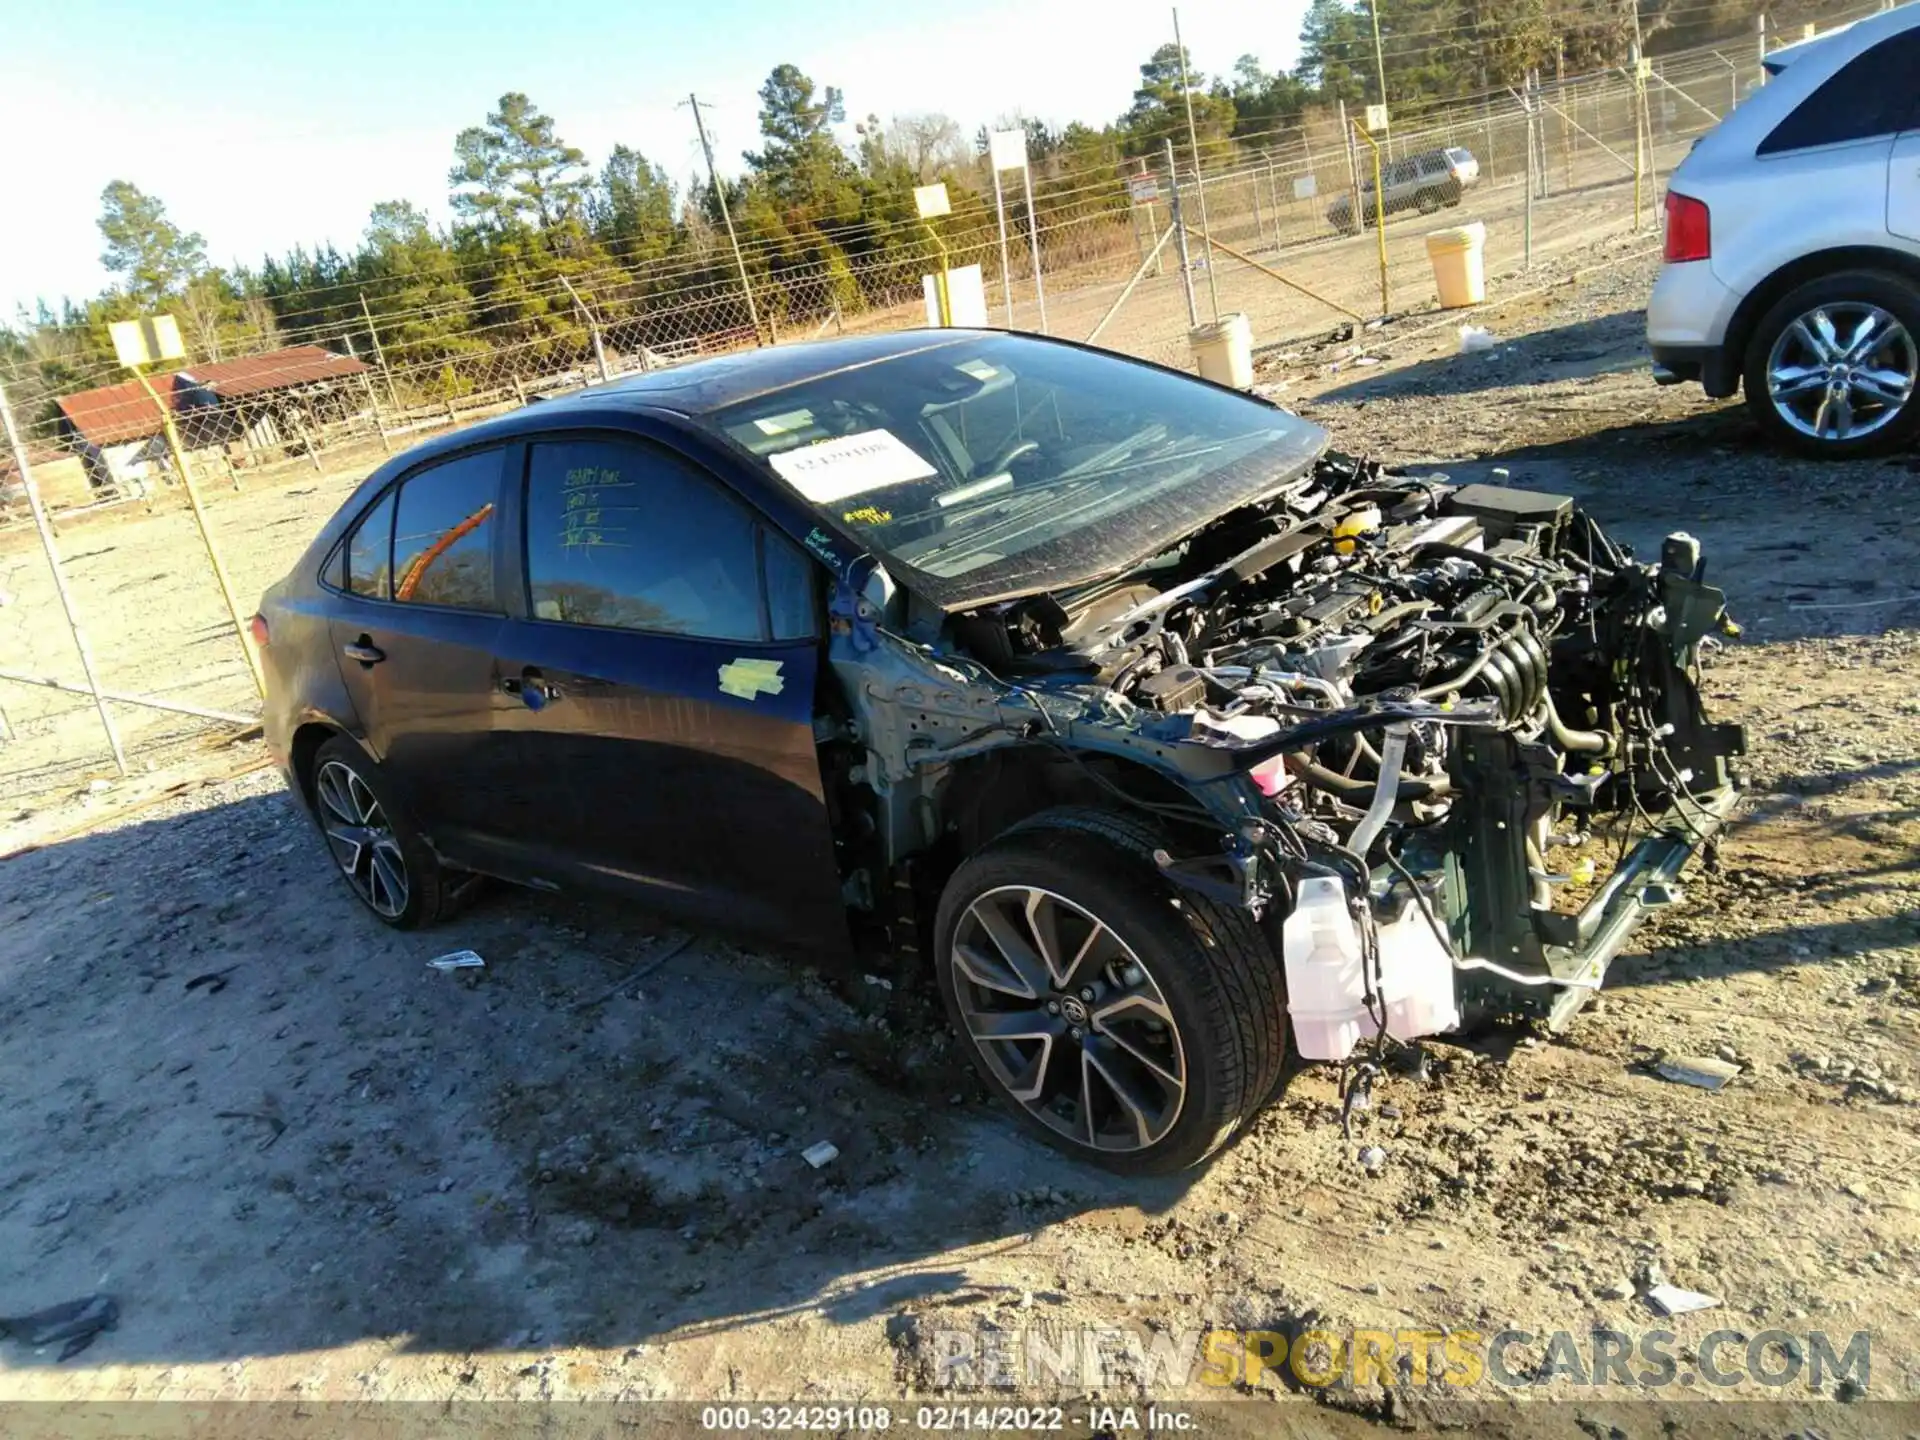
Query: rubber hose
column 1411, row 788
column 1591, row 742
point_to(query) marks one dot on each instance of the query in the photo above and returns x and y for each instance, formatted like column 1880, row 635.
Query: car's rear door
column 659, row 674
column 414, row 630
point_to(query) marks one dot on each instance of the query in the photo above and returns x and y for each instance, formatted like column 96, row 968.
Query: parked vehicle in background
column 1428, row 181
column 1793, row 247
column 1160, row 731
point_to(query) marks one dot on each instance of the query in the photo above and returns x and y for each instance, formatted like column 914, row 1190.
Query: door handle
column 531, row 689
column 364, row 650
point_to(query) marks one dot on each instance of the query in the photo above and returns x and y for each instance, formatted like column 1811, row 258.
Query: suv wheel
column 1128, row 1023
column 1831, row 369
column 385, row 860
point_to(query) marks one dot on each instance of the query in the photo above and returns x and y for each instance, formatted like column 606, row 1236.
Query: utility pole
column 713, row 178
column 1380, row 69
column 1199, row 176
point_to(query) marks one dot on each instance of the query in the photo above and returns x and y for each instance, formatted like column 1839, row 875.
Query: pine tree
column 153, row 255
column 515, row 171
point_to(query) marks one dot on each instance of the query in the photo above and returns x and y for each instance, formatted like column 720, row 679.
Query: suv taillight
column 1689, row 229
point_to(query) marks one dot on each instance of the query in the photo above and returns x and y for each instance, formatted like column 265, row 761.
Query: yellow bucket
column 1459, row 264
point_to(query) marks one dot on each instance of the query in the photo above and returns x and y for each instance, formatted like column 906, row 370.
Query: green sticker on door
column 750, row 679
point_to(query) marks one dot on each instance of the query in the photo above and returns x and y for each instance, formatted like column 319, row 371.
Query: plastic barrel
column 1223, row 351
column 1459, row 264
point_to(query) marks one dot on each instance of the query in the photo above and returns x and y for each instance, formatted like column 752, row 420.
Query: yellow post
column 1379, row 211
column 206, row 535
column 943, row 300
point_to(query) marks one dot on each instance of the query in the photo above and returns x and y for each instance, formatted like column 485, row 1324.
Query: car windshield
column 992, row 466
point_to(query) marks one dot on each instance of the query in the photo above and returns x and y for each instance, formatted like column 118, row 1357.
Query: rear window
column 443, row 534
column 370, row 551
column 1872, row 95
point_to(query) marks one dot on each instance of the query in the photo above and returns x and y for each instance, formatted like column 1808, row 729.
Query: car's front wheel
column 1832, row 368
column 1129, row 1023
column 380, row 852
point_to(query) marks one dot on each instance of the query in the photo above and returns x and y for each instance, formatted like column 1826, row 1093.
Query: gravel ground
column 333, row 1172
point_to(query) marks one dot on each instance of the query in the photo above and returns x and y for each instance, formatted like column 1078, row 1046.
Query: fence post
column 1760, row 34
column 1560, row 94
column 1180, row 235
column 1527, row 263
column 206, row 534
column 313, row 450
column 1259, row 222
column 520, row 391
column 48, row 544
column 593, row 330
column 1033, row 241
column 379, row 354
column 1639, row 139
column 1353, row 171
column 373, row 408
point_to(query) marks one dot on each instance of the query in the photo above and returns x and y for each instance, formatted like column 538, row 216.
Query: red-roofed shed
column 262, row 400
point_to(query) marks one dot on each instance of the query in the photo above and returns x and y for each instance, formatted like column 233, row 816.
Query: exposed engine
column 1437, row 685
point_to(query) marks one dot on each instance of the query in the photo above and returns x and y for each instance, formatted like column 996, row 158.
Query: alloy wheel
column 1842, row 371
column 1069, row 1020
column 361, row 839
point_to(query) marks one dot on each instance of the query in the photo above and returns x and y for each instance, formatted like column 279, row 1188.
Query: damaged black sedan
column 1158, row 735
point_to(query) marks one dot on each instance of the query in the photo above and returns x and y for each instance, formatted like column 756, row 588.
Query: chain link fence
column 275, row 437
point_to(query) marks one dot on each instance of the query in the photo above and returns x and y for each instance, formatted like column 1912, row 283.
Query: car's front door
column 415, row 628
column 659, row 676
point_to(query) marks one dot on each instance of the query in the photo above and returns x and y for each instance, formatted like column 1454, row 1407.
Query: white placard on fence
column 1376, row 119
column 148, row 341
column 1007, row 149
column 966, row 297
column 1143, row 189
column 1305, row 187
column 930, row 201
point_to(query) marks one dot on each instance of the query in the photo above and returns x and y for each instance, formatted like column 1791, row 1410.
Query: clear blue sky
column 263, row 125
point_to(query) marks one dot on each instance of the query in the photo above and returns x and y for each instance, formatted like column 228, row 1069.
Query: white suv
column 1793, row 246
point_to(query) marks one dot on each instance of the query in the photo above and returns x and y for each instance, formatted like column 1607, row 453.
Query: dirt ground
column 334, row 1173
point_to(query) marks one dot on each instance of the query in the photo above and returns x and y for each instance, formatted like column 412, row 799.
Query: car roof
column 1810, row 64
column 1778, row 60
column 706, row 385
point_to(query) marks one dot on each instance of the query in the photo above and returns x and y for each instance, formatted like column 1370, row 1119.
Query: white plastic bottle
column 1326, row 987
column 1416, row 978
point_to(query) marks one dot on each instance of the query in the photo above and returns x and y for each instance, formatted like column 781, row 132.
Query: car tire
column 1429, row 202
column 1790, row 368
column 378, row 849
column 1179, row 1002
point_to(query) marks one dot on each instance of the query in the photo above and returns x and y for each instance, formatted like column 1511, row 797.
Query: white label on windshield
column 781, row 424
column 850, row 465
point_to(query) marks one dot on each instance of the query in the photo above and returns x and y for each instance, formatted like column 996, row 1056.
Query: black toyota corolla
column 1161, row 732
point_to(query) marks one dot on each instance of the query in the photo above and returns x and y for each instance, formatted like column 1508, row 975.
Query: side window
column 443, row 534
column 790, row 581
column 370, row 551
column 1873, row 94
column 622, row 535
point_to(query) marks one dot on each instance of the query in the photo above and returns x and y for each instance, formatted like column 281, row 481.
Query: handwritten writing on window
column 587, row 517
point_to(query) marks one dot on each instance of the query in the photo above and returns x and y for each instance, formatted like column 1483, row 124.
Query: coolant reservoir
column 1326, row 989
column 1416, row 978
column 1361, row 522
